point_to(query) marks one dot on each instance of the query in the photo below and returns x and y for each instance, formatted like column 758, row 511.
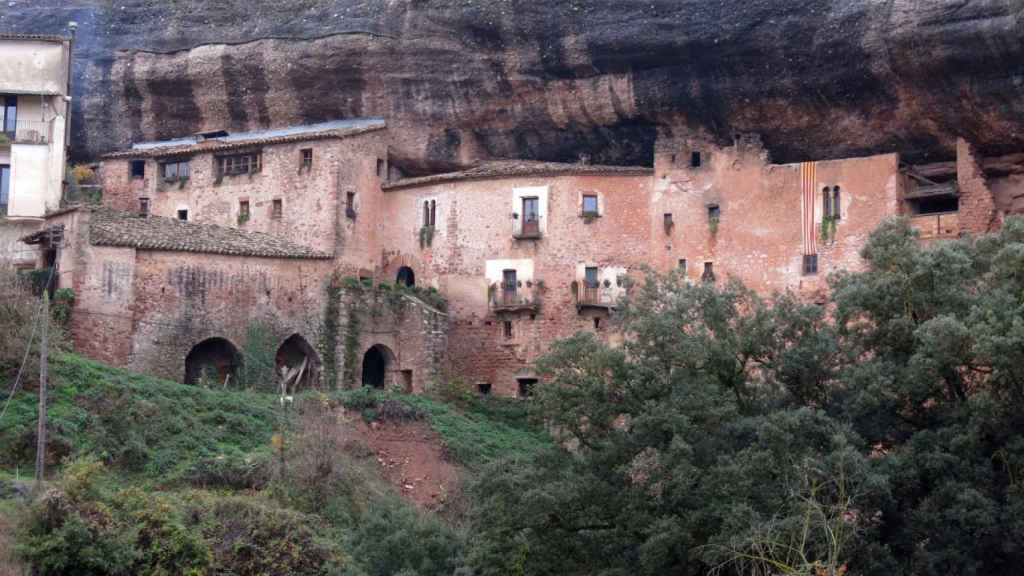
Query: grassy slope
column 160, row 432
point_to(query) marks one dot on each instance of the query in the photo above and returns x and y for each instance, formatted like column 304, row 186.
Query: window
column 380, row 168
column 709, row 272
column 668, row 222
column 243, row 211
column 682, row 266
column 531, row 217
column 506, row 329
column 589, row 205
column 10, row 116
column 5, row 188
column 597, row 324
column 183, row 214
column 426, row 213
column 306, row 158
column 484, row 388
column 526, row 386
column 695, row 159
column 240, row 164
column 508, row 281
column 810, row 264
column 433, row 213
column 144, row 206
column 138, row 168
column 590, row 277
column 175, row 170
column 714, row 212
column 277, row 209
column 350, row 204
column 830, row 206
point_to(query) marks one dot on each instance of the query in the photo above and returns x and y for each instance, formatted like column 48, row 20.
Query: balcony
column 528, row 230
column 29, row 132
column 503, row 298
column 936, row 226
column 596, row 296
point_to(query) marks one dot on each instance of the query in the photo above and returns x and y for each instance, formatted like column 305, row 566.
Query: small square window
column 484, row 388
column 695, row 159
column 138, row 168
column 307, row 158
column 714, row 212
column 183, row 215
column 810, row 264
column 277, row 209
column 589, row 205
column 526, row 386
column 144, row 206
column 507, row 329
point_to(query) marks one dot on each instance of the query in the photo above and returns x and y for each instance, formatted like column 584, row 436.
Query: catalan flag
column 808, row 184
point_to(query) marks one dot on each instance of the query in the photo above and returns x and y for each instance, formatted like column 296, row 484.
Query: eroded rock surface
column 461, row 80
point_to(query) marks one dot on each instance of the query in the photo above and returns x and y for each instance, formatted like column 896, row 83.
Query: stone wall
column 474, row 242
column 313, row 201
column 977, row 213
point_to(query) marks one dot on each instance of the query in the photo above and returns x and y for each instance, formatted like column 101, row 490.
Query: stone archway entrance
column 214, row 361
column 406, row 277
column 378, row 363
column 297, row 363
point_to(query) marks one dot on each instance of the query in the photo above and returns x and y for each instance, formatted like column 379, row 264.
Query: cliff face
column 460, row 80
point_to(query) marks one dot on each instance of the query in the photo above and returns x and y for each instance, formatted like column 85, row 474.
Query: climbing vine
column 827, row 229
column 329, row 334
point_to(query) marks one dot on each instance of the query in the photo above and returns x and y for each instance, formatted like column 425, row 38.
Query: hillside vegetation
column 163, row 478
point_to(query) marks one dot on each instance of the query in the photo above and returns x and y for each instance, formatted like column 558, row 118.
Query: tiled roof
column 111, row 228
column 195, row 144
column 512, row 168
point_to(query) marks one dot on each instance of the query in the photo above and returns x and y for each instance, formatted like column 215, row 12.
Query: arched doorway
column 213, row 361
column 378, row 362
column 297, row 363
column 406, row 277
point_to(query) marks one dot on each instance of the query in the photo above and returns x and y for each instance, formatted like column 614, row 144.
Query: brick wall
column 977, row 213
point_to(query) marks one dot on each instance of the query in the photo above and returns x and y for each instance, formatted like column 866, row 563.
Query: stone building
column 34, row 106
column 525, row 252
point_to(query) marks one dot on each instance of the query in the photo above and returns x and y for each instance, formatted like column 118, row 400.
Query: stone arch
column 298, row 363
column 405, row 276
column 215, row 358
column 379, row 363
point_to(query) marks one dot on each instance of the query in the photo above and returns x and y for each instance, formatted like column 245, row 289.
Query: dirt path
column 411, row 456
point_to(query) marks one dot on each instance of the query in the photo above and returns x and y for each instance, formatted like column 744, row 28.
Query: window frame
column 277, row 209
column 587, row 270
column 137, row 174
column 244, row 211
column 182, row 211
column 144, row 206
column 180, row 165
column 240, row 164
column 596, row 211
column 306, row 158
column 810, row 265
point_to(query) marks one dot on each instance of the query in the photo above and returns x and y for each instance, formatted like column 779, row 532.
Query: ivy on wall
column 329, row 334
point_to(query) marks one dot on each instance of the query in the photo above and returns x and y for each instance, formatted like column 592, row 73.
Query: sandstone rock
column 461, row 80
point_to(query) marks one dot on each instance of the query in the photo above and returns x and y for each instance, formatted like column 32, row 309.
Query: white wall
column 30, row 192
column 32, row 67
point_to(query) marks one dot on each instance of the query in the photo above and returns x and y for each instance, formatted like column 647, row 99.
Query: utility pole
column 43, row 373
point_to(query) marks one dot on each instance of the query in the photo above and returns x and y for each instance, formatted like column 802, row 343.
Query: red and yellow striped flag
column 808, row 184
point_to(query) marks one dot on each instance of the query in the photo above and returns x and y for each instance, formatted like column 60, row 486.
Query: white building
column 34, row 107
